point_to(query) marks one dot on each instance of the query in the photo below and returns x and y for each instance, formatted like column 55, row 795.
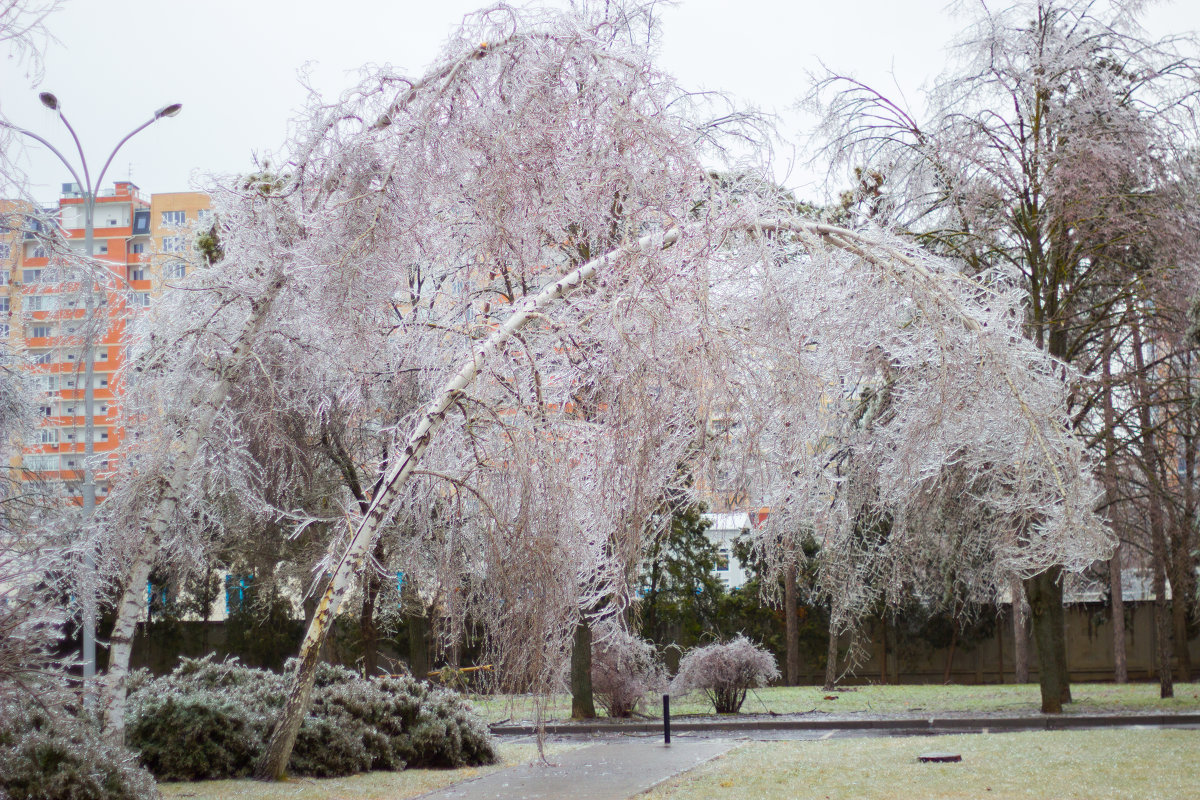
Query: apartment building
column 12, row 216
column 174, row 219
column 142, row 242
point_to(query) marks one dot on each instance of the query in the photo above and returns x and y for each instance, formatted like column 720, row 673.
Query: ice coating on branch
column 891, row 407
column 542, row 173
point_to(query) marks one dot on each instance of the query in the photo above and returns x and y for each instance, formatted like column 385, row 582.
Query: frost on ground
column 368, row 786
column 1091, row 765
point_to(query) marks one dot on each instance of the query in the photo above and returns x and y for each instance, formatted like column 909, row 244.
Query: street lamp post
column 50, row 101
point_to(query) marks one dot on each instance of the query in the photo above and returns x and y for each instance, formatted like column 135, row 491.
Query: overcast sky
column 234, row 66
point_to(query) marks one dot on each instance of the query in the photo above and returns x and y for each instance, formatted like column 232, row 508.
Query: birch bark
column 132, row 604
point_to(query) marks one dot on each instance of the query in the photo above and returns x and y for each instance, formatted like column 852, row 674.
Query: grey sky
column 234, row 65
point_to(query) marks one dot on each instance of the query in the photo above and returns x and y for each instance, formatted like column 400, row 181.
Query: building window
column 40, row 463
column 4, row 330
column 47, row 411
column 101, row 382
column 204, row 216
column 173, row 244
column 4, row 303
column 48, row 383
column 38, row 251
column 175, row 270
column 137, row 247
column 723, row 560
column 40, row 302
column 42, row 356
column 40, row 331
column 137, row 274
column 31, row 275
column 5, row 249
column 175, row 218
column 47, row 435
column 139, row 299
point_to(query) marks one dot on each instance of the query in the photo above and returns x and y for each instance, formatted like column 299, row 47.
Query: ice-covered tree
column 1054, row 148
column 31, row 614
column 575, row 293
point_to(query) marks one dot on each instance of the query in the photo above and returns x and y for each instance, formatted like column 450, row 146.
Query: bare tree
column 32, row 550
column 1058, row 139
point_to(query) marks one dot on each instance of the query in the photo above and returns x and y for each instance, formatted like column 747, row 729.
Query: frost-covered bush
column 724, row 671
column 53, row 756
column 210, row 720
column 624, row 670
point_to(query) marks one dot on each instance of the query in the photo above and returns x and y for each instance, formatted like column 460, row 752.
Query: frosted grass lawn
column 1063, row 765
column 367, row 786
column 1017, row 699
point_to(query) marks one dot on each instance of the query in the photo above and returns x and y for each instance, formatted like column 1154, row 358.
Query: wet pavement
column 621, row 760
column 608, row 770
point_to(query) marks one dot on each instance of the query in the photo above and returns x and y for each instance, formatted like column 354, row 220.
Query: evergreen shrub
column 47, row 755
column 212, row 719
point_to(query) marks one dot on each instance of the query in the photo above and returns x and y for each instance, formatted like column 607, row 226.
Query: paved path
column 605, row 771
column 817, row 725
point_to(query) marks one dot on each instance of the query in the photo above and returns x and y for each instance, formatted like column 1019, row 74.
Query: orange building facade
column 140, row 247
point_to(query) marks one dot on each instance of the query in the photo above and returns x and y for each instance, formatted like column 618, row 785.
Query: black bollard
column 666, row 719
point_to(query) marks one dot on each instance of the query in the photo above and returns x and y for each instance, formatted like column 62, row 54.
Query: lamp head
column 168, row 111
column 49, row 100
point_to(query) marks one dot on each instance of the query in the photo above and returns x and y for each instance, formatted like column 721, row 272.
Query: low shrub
column 624, row 669
column 725, row 671
column 212, row 720
column 51, row 755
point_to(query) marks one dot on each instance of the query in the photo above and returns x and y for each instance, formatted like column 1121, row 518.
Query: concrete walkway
column 758, row 726
column 605, row 771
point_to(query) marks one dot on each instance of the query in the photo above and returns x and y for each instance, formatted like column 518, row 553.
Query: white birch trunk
column 132, row 604
column 273, row 764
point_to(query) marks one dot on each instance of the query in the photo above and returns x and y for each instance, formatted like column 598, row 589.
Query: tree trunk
column 368, row 631
column 1162, row 631
column 1116, row 589
column 582, row 704
column 1184, row 583
column 418, row 642
column 273, row 763
column 792, row 627
column 1151, row 468
column 950, row 653
column 1000, row 654
column 1117, row 592
column 1045, row 595
column 133, row 599
column 1020, row 633
column 1179, row 619
column 129, row 612
column 831, row 659
column 883, row 631
column 1182, row 576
